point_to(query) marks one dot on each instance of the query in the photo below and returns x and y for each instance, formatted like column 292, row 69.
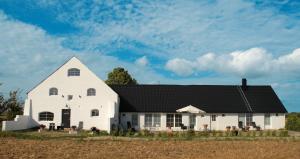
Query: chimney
column 244, row 83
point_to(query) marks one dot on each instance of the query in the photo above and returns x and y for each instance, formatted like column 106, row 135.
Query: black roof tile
column 209, row 98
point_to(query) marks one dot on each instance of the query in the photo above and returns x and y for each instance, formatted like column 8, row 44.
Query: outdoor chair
column 241, row 125
column 182, row 126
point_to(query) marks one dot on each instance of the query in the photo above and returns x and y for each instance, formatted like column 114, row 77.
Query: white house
column 74, row 96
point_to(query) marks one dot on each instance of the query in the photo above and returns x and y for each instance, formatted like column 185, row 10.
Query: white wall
column 19, row 123
column 277, row 122
column 230, row 119
column 106, row 100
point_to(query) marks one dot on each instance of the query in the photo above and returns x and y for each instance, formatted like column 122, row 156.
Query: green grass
column 146, row 135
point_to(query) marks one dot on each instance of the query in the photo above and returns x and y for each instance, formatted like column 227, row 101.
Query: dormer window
column 91, row 92
column 73, row 72
column 53, row 91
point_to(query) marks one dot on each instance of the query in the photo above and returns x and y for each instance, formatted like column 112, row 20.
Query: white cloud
column 143, row 61
column 181, row 67
column 28, row 54
column 177, row 28
column 255, row 62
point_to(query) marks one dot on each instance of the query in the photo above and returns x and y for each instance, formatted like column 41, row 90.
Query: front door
column 65, row 117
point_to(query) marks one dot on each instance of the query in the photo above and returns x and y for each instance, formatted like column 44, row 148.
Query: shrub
column 260, row 133
column 268, row 133
column 293, row 121
column 283, row 133
column 274, row 133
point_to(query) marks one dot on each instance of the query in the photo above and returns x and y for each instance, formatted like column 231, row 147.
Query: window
column 95, row 112
column 148, row 120
column 156, row 120
column 267, row 119
column 192, row 120
column 53, row 91
column 152, row 120
column 213, row 117
column 241, row 119
column 170, row 120
column 134, row 120
column 70, row 97
column 91, row 92
column 73, row 72
column 249, row 119
column 46, row 116
column 178, row 120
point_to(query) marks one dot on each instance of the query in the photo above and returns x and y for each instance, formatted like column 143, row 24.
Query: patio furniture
column 52, row 126
column 182, row 126
column 241, row 125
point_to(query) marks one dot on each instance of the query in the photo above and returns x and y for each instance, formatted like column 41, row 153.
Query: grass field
column 76, row 148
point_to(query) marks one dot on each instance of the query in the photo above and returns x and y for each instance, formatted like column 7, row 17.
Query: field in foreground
column 27, row 148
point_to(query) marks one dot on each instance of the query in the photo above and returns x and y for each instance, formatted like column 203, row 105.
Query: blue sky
column 167, row 42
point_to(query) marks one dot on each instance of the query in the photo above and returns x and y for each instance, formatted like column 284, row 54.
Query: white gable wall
column 106, row 100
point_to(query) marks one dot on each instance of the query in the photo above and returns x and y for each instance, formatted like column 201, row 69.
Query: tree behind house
column 13, row 105
column 120, row 76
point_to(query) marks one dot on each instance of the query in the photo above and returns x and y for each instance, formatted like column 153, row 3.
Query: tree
column 293, row 121
column 120, row 76
column 13, row 105
column 2, row 103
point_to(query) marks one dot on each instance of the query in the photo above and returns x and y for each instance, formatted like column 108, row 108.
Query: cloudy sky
column 166, row 42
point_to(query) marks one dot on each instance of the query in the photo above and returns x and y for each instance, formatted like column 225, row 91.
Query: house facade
column 74, row 96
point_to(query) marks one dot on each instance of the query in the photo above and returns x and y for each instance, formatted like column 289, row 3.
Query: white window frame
column 249, row 119
column 94, row 112
column 91, row 92
column 73, row 72
column 213, row 117
column 267, row 119
column 152, row 120
column 176, row 121
column 53, row 91
column 134, row 120
column 47, row 116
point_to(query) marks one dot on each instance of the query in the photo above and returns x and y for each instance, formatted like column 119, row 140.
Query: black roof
column 209, row 98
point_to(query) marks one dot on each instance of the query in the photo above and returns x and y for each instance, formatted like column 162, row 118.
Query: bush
column 274, row 133
column 283, row 133
column 293, row 121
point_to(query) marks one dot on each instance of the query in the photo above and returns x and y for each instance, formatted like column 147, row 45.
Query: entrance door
column 65, row 117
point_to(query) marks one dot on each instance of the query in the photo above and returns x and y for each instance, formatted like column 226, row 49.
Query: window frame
column 73, row 72
column 47, row 116
column 134, row 120
column 170, row 120
column 148, row 120
column 249, row 119
column 91, row 92
column 53, row 91
column 267, row 119
column 174, row 120
column 192, row 120
column 94, row 112
column 213, row 117
column 152, row 120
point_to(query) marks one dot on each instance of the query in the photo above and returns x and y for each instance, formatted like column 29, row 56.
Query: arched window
column 53, row 91
column 91, row 92
column 95, row 112
column 46, row 116
column 73, row 72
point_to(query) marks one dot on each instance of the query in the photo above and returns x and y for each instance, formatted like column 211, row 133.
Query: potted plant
column 228, row 128
column 205, row 127
column 42, row 127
